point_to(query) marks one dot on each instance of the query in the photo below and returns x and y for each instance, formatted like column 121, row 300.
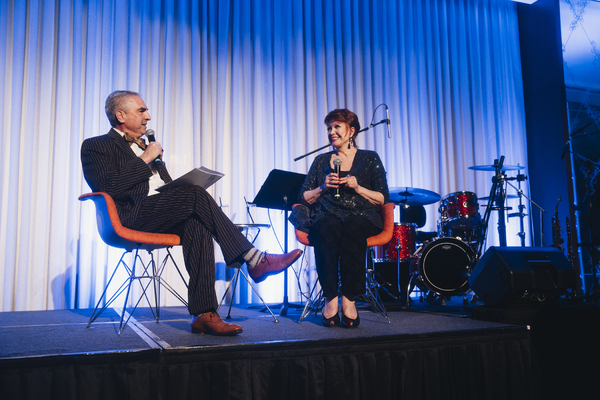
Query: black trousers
column 192, row 213
column 342, row 243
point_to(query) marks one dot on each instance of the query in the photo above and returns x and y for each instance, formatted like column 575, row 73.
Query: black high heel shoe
column 350, row 323
column 331, row 322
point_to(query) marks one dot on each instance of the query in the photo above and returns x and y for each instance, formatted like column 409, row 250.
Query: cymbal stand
column 488, row 210
column 520, row 178
column 500, row 201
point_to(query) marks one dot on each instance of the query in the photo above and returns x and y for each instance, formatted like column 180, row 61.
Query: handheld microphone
column 387, row 111
column 337, row 163
column 150, row 135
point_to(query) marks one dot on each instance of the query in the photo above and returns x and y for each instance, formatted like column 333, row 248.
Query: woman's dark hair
column 347, row 116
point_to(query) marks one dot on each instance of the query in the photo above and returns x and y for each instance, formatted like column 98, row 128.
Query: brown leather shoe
column 272, row 264
column 210, row 322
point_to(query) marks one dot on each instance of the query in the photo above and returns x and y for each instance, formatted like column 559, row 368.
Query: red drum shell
column 406, row 234
column 460, row 210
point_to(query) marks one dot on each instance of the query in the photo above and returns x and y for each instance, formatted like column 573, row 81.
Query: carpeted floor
column 40, row 333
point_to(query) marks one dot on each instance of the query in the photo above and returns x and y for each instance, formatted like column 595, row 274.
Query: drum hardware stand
column 498, row 178
column 520, row 178
column 415, row 280
column 376, row 281
column 500, row 202
column 371, row 295
column 520, row 214
column 403, row 300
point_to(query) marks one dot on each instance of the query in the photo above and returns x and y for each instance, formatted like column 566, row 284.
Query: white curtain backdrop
column 241, row 87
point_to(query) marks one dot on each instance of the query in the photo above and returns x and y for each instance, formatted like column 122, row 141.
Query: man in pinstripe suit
column 122, row 165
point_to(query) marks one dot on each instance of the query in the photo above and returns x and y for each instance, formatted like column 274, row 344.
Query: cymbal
column 508, row 196
column 493, row 167
column 413, row 196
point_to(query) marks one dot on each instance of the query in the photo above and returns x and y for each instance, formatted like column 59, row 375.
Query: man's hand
column 152, row 152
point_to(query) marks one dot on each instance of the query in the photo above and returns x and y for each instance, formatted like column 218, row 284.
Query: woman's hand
column 331, row 181
column 372, row 196
column 350, row 181
column 334, row 181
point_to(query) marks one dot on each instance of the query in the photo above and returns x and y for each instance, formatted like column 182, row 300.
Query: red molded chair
column 371, row 295
column 116, row 235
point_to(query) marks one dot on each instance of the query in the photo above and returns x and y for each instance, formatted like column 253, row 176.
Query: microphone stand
column 314, row 151
column 383, row 121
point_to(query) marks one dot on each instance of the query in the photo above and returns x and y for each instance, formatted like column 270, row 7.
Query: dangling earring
column 350, row 143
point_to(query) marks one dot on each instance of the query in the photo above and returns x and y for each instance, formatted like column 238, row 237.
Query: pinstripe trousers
column 192, row 213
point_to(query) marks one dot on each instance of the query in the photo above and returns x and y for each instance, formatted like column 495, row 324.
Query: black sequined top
column 370, row 174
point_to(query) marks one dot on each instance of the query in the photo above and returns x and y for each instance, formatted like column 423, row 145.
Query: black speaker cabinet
column 506, row 275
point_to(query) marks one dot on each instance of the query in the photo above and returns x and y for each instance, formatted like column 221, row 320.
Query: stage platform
column 429, row 352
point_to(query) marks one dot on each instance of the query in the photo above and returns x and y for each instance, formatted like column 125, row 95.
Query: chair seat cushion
column 115, row 234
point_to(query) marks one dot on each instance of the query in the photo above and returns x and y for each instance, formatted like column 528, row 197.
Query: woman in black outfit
column 338, row 228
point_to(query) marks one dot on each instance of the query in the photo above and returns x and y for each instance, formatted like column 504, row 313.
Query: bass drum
column 443, row 264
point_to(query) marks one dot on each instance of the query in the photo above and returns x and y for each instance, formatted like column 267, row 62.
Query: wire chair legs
column 315, row 304
column 233, row 284
column 150, row 274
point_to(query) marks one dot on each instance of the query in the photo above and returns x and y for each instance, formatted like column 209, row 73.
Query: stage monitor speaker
column 507, row 275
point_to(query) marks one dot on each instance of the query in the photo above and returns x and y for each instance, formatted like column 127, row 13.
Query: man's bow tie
column 140, row 142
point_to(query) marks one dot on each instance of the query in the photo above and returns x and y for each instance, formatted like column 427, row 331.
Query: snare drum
column 444, row 264
column 405, row 234
column 460, row 210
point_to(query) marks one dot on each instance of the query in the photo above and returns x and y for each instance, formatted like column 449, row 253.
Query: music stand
column 279, row 191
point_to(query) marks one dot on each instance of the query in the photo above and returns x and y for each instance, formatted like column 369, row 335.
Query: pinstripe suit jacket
column 110, row 165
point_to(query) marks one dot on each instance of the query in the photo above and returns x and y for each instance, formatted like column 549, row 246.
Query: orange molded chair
column 114, row 234
column 371, row 295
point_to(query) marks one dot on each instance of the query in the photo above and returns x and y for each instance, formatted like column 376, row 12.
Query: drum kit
column 439, row 263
